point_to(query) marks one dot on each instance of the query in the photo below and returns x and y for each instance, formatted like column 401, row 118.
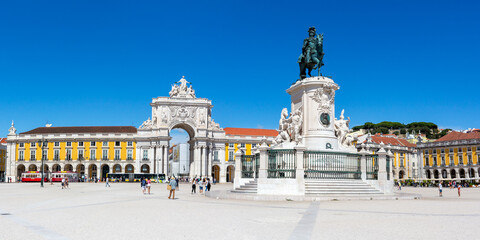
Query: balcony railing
column 104, row 158
column 129, row 158
column 116, row 158
column 145, row 159
column 21, row 159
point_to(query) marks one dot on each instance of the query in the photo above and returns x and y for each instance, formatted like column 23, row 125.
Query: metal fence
column 257, row 164
column 388, row 167
column 248, row 164
column 372, row 167
column 282, row 163
column 331, row 165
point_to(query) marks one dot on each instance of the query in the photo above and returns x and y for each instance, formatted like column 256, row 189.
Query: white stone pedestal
column 316, row 97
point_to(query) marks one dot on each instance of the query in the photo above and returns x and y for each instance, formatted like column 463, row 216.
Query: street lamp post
column 42, row 144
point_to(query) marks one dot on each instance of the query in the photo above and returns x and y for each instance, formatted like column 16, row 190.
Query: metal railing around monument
column 372, row 167
column 282, row 163
column 388, row 167
column 257, row 164
column 331, row 165
column 248, row 164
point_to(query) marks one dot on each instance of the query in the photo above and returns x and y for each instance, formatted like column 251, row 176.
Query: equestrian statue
column 312, row 53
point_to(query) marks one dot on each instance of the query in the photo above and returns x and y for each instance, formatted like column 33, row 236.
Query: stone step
column 341, row 190
column 337, row 187
column 244, row 191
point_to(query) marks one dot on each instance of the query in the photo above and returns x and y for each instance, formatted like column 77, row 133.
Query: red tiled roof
column 453, row 136
column 3, row 140
column 392, row 141
column 251, row 132
column 100, row 129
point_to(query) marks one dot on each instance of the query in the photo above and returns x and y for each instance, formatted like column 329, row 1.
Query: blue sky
column 94, row 63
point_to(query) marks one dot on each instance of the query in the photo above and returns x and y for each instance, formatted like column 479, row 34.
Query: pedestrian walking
column 458, row 187
column 106, row 182
column 66, row 182
column 440, row 189
column 178, row 184
column 172, row 185
column 143, row 184
column 63, row 183
column 149, row 185
column 200, row 186
column 208, row 185
column 194, row 186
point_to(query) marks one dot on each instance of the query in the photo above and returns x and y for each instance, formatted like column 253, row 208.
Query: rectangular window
column 460, row 159
column 469, row 149
column 242, row 145
column 231, row 145
column 44, row 154
column 80, row 144
column 93, row 144
column 21, row 144
column 20, row 155
column 459, row 150
column 129, row 154
column 443, row 150
column 105, row 144
column 105, row 154
column 434, row 151
column 56, row 154
column 254, row 145
column 451, row 150
column 470, row 160
column 130, row 144
column 117, row 144
column 451, row 160
column 230, row 156
column 215, row 155
column 80, row 154
column 69, row 144
column 32, row 155
column 443, row 161
column 69, row 154
column 434, row 161
column 56, row 144
column 117, row 154
column 33, row 144
column 93, row 154
column 145, row 155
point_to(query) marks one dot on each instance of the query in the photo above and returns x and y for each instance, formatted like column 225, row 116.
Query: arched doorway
column 92, row 171
column 401, row 174
column 68, row 168
column 461, row 173
column 181, row 150
column 453, row 174
column 32, row 167
column 56, row 168
column 471, row 173
column 145, row 168
column 216, row 173
column 436, row 174
column 444, row 173
column 428, row 174
column 81, row 171
column 45, row 168
column 230, row 173
column 129, row 168
column 20, row 170
column 105, row 171
column 117, row 168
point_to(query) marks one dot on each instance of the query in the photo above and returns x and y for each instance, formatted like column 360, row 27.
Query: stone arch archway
column 436, row 174
column 80, row 170
column 117, row 168
column 401, row 174
column 105, row 169
column 216, row 173
column 20, row 170
column 56, row 168
column 129, row 168
column 471, row 173
column 68, row 167
column 453, row 173
column 444, row 173
column 461, row 173
column 32, row 167
column 92, row 171
column 230, row 173
column 145, row 168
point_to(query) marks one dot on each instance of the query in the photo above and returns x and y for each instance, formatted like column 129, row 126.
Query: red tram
column 34, row 176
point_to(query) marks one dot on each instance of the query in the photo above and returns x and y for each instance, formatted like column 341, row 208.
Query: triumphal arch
column 182, row 109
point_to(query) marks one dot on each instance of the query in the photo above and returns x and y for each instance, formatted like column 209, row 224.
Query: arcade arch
column 20, row 170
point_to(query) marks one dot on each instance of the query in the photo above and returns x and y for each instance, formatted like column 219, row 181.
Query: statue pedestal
column 316, row 97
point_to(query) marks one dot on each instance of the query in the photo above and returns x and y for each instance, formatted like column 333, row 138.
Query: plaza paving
column 91, row 211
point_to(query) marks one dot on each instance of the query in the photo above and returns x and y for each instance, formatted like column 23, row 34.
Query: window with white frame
column 145, row 154
column 93, row 154
column 215, row 155
column 105, row 154
column 33, row 144
column 469, row 149
column 32, row 155
column 451, row 160
column 470, row 159
column 129, row 144
column 451, row 150
column 105, row 144
column 443, row 161
column 231, row 156
column 93, row 144
column 56, row 144
column 80, row 154
column 21, row 145
column 20, row 155
column 231, row 145
column 69, row 144
column 56, row 154
column 117, row 154
column 80, row 144
column 117, row 144
column 129, row 154
column 68, row 155
column 242, row 145
column 460, row 150
column 44, row 154
column 460, row 159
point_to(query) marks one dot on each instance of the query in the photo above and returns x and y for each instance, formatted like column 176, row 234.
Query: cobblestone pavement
column 92, row 211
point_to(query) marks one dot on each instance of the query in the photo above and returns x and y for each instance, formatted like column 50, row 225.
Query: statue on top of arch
column 182, row 90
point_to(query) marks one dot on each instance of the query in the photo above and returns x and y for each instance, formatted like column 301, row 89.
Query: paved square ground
column 92, row 211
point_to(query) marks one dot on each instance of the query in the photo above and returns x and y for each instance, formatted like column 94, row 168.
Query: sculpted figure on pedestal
column 283, row 135
column 148, row 124
column 290, row 129
column 295, row 127
column 342, row 128
column 312, row 53
column 182, row 90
